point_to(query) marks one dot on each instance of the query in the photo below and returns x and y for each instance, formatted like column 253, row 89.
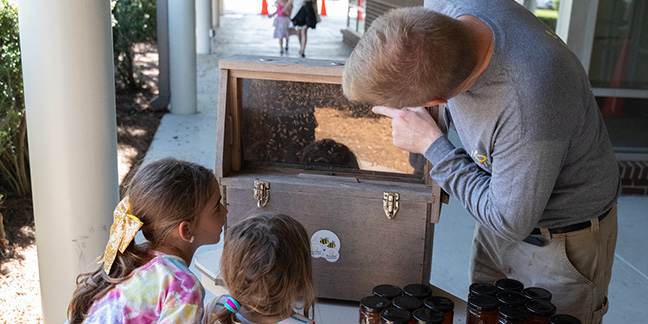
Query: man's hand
column 413, row 128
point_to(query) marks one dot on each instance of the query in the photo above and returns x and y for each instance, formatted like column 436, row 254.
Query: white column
column 70, row 98
column 182, row 56
column 576, row 25
column 203, row 26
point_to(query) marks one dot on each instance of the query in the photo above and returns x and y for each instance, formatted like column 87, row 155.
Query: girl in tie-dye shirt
column 178, row 206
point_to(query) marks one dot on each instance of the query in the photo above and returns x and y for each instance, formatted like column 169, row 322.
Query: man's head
column 409, row 56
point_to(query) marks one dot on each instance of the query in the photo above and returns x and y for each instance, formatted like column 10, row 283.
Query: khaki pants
column 575, row 267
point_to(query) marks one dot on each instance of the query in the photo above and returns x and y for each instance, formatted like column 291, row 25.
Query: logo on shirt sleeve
column 478, row 157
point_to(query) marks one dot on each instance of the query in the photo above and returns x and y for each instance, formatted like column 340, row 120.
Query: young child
column 282, row 24
column 178, row 206
column 266, row 265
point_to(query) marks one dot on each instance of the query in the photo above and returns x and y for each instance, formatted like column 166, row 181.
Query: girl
column 282, row 24
column 304, row 15
column 266, row 265
column 178, row 206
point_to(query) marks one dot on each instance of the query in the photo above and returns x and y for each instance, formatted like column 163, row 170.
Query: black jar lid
column 427, row 316
column 513, row 312
column 387, row 291
column 537, row 293
column 439, row 303
column 564, row 319
column 509, row 284
column 374, row 304
column 417, row 290
column 483, row 288
column 407, row 303
column 511, row 297
column 482, row 302
column 393, row 315
column 541, row 307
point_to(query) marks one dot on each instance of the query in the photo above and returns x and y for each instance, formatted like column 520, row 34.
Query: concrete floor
column 193, row 138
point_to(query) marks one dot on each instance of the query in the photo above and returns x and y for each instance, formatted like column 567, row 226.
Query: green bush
column 14, row 158
column 134, row 21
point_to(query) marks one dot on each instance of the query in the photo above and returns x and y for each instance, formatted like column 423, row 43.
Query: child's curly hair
column 266, row 265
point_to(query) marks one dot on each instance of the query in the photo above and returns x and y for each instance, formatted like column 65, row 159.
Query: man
column 537, row 170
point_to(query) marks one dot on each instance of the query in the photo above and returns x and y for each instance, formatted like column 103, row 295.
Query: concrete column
column 69, row 87
column 576, row 25
column 182, row 56
column 203, row 26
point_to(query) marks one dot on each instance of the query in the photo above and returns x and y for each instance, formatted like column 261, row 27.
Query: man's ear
column 185, row 231
column 435, row 102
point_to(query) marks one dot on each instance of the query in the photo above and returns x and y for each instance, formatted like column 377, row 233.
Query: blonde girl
column 178, row 207
column 266, row 265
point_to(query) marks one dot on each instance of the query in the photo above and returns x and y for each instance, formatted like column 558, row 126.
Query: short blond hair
column 407, row 57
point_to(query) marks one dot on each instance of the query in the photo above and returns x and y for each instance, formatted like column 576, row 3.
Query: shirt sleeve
column 511, row 200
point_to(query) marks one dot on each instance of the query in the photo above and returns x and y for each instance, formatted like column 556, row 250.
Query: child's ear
column 184, row 229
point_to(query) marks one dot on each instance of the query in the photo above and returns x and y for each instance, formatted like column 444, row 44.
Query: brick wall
column 634, row 177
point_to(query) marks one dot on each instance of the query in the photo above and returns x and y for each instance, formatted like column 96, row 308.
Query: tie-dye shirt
column 217, row 304
column 162, row 291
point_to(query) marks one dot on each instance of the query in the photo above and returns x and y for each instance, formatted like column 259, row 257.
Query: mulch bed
column 136, row 126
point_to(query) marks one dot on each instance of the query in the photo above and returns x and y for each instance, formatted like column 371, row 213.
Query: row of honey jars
column 508, row 302
column 414, row 304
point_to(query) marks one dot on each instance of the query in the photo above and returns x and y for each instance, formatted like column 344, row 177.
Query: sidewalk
column 193, row 138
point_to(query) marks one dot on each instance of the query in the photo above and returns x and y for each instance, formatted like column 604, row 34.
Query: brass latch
column 390, row 203
column 261, row 192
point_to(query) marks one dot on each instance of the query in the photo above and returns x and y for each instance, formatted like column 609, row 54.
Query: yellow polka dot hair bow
column 122, row 232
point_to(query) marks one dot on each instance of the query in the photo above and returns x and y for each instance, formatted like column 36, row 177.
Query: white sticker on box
column 325, row 244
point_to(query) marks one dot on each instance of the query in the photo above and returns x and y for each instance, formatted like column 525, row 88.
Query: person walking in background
column 266, row 266
column 282, row 23
column 536, row 170
column 303, row 16
column 178, row 207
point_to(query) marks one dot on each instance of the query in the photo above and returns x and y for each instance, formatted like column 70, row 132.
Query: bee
column 324, row 241
column 331, row 245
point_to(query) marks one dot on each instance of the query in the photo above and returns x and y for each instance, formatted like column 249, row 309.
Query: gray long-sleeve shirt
column 537, row 153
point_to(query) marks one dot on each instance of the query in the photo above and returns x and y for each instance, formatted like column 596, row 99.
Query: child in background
column 282, row 24
column 266, row 265
column 178, row 206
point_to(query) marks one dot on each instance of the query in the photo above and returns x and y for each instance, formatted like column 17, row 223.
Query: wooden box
column 290, row 142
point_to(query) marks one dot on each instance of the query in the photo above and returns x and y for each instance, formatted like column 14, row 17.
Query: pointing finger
column 386, row 111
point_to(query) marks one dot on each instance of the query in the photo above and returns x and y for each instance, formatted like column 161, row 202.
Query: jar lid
column 509, row 284
column 407, row 303
column 439, row 303
column 541, row 307
column 482, row 302
column 387, row 291
column 513, row 312
column 537, row 293
column 511, row 297
column 374, row 304
column 564, row 319
column 483, row 288
column 394, row 315
column 427, row 316
column 418, row 291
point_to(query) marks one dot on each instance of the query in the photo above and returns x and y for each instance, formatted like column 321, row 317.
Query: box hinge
column 391, row 203
column 261, row 192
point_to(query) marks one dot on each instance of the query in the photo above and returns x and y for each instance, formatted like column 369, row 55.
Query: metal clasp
column 390, row 203
column 261, row 192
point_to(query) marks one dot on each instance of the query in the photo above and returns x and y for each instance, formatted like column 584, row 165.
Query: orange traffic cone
column 323, row 11
column 264, row 7
column 359, row 12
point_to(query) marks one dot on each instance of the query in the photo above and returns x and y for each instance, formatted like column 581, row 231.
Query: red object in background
column 612, row 106
column 264, row 7
column 359, row 12
column 323, row 11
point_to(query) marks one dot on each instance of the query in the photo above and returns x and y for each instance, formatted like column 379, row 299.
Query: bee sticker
column 325, row 244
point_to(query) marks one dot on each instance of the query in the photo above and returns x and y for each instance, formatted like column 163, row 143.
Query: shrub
column 134, row 21
column 14, row 158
